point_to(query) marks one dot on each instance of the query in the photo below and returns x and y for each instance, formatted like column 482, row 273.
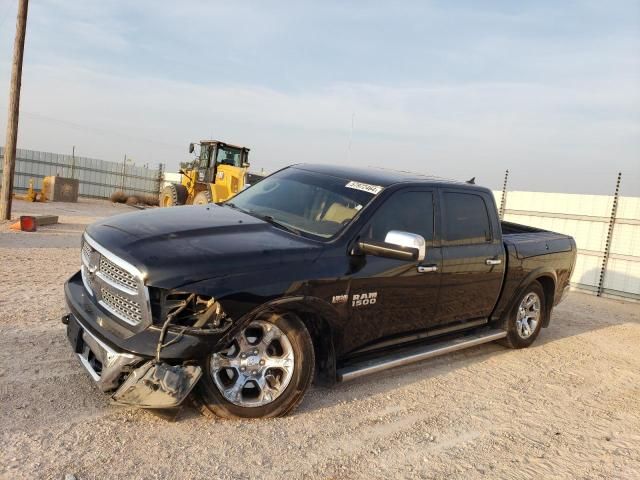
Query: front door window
column 405, row 299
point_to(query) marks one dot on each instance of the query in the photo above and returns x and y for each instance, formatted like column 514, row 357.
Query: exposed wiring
column 166, row 323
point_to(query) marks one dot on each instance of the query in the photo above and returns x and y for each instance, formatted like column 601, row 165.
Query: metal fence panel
column 98, row 178
column 622, row 276
column 587, row 218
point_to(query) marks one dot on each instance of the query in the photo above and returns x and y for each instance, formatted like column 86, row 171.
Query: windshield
column 305, row 202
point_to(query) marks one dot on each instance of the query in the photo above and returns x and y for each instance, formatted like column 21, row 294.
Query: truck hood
column 182, row 245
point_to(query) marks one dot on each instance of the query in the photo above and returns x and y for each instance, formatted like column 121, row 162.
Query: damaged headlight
column 184, row 309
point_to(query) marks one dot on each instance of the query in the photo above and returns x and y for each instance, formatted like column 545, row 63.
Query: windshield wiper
column 273, row 221
column 234, row 206
column 266, row 218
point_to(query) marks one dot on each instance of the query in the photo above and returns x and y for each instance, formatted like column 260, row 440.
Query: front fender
column 318, row 316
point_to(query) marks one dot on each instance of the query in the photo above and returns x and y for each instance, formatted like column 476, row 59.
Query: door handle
column 493, row 261
column 427, row 268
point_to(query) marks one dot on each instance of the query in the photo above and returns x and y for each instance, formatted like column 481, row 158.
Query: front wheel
column 173, row 195
column 525, row 319
column 202, row 198
column 263, row 373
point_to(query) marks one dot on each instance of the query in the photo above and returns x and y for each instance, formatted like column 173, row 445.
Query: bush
column 151, row 200
column 119, row 197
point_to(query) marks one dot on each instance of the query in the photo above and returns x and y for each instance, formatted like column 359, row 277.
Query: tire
column 523, row 326
column 202, row 198
column 173, row 195
column 228, row 392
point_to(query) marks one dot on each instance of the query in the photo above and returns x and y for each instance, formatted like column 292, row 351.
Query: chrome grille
column 85, row 256
column 123, row 307
column 115, row 284
column 117, row 274
column 86, row 252
column 90, row 282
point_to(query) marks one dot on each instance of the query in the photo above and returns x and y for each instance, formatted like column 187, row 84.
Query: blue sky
column 550, row 90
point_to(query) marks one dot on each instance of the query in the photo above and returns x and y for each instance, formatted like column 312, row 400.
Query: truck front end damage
column 144, row 346
column 131, row 379
column 158, row 385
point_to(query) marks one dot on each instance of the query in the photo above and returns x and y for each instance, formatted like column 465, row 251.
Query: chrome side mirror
column 408, row 240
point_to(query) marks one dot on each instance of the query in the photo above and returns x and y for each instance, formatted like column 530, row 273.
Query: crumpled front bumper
column 137, row 381
column 181, row 346
column 125, row 364
column 105, row 365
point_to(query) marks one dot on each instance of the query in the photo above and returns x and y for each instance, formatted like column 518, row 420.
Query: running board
column 417, row 354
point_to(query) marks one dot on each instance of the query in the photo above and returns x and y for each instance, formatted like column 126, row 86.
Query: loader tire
column 202, row 198
column 173, row 195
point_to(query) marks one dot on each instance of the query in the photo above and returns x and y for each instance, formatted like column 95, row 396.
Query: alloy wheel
column 256, row 368
column 528, row 315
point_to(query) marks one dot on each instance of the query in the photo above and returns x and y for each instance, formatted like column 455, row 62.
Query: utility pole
column 9, row 166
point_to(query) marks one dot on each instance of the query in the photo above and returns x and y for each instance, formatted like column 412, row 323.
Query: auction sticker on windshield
column 365, row 187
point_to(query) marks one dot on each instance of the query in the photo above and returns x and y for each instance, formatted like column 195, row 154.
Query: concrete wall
column 587, row 218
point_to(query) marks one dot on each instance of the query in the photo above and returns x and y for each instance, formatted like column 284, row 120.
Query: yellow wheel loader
column 217, row 174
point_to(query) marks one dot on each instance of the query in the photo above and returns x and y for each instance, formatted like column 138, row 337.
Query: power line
column 98, row 130
column 6, row 16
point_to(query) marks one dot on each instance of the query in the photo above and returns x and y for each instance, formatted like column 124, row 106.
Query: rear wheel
column 173, row 195
column 526, row 318
column 263, row 373
column 202, row 198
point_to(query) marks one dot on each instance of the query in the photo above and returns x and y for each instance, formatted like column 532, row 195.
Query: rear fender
column 548, row 279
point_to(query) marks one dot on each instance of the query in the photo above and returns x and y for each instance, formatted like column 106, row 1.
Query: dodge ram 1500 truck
column 316, row 272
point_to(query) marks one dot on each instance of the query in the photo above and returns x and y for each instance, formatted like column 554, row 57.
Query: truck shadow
column 580, row 313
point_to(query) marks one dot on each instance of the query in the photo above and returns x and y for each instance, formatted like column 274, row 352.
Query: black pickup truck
column 316, row 272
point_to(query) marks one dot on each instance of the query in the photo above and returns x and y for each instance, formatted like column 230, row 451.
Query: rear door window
column 466, row 219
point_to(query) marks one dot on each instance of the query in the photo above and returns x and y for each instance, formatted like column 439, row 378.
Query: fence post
column 607, row 245
column 73, row 162
column 124, row 171
column 160, row 176
column 503, row 199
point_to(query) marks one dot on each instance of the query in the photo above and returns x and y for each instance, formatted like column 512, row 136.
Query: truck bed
column 530, row 241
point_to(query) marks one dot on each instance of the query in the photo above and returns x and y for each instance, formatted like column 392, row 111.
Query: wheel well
column 322, row 338
column 549, row 289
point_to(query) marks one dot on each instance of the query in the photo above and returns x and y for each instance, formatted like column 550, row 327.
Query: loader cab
column 217, row 172
column 214, row 154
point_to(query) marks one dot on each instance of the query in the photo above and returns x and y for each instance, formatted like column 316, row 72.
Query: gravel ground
column 568, row 407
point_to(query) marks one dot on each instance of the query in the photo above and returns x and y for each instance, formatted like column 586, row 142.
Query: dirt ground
column 73, row 218
column 568, row 407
